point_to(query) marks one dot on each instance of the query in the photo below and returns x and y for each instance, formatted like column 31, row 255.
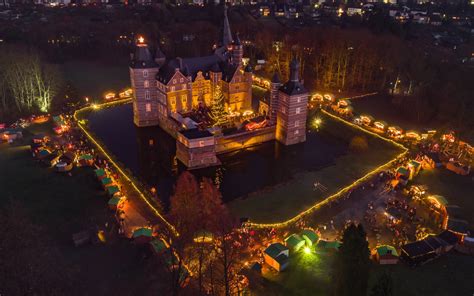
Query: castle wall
column 245, row 139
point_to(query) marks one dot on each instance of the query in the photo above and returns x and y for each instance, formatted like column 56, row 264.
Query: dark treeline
column 375, row 55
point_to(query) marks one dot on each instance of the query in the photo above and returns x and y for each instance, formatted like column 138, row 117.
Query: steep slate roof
column 142, row 57
column 293, row 88
column 191, row 66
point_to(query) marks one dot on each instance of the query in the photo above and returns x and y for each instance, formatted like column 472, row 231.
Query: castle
column 167, row 90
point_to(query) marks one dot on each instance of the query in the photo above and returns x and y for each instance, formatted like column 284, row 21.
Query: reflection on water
column 150, row 154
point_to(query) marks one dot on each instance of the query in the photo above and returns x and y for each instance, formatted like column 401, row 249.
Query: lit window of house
column 298, row 110
column 181, row 80
column 184, row 102
column 148, row 107
column 145, row 73
column 174, row 81
column 172, row 88
column 201, row 143
column 146, row 83
column 147, row 95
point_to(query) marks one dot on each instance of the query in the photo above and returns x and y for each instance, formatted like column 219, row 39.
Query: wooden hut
column 158, row 246
column 115, row 202
column 385, row 255
column 276, row 255
column 417, row 253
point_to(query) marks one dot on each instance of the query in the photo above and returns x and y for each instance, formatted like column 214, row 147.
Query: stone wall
column 245, row 139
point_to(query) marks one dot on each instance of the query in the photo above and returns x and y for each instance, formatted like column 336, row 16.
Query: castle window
column 297, row 132
column 146, row 84
column 148, row 107
column 298, row 110
column 147, row 95
column 297, row 123
column 299, row 100
column 145, row 73
column 201, row 143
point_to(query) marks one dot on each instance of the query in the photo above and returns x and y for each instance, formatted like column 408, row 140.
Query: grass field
column 63, row 205
column 310, row 274
column 457, row 189
column 286, row 200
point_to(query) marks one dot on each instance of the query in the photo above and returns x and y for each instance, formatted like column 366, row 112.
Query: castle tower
column 292, row 109
column 237, row 51
column 143, row 70
column 249, row 81
column 273, row 104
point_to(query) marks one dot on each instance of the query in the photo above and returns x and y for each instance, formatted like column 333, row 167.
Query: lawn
column 62, row 205
column 310, row 274
column 457, row 189
column 93, row 79
column 286, row 200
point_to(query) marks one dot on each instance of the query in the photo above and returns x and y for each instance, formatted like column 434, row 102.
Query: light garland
column 343, row 190
column 81, row 124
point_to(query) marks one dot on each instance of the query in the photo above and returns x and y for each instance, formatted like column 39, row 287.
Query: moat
column 262, row 181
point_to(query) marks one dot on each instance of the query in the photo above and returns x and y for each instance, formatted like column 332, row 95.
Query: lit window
column 297, row 123
column 181, row 80
column 201, row 143
column 146, row 84
column 297, row 132
column 174, row 81
column 145, row 73
column 172, row 88
column 173, row 101
column 299, row 100
column 147, row 95
column 148, row 107
column 298, row 110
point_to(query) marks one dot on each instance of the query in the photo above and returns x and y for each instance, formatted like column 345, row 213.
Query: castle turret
column 160, row 57
column 273, row 104
column 292, row 109
column 143, row 70
column 237, row 51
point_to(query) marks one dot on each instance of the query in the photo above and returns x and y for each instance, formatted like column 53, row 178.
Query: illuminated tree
column 218, row 112
column 27, row 83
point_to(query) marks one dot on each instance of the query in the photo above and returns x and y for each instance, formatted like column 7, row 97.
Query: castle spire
column 227, row 35
column 294, row 70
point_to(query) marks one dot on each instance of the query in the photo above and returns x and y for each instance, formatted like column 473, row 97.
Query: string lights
column 81, row 125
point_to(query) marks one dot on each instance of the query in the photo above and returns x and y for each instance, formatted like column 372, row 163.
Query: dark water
column 150, row 154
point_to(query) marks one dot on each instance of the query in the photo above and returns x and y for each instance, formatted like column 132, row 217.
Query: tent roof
column 403, row 171
column 384, row 250
column 143, row 231
column 114, row 200
column 294, row 240
column 158, row 245
column 417, row 248
column 329, row 244
column 275, row 249
column 310, row 235
column 106, row 181
column 439, row 198
column 99, row 172
column 86, row 157
column 112, row 190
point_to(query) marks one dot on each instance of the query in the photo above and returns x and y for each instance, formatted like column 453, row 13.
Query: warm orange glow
column 141, row 40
